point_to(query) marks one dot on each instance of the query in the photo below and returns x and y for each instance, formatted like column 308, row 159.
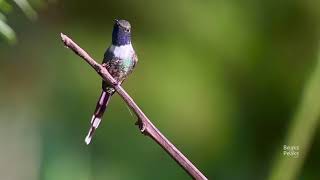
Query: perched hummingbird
column 119, row 59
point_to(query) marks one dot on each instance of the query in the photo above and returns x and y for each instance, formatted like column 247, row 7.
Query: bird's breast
column 122, row 52
column 122, row 62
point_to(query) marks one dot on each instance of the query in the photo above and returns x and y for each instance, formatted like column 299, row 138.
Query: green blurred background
column 228, row 82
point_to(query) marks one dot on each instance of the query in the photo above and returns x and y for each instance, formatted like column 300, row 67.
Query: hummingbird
column 119, row 59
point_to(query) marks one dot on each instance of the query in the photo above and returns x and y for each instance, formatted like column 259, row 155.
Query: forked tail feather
column 98, row 113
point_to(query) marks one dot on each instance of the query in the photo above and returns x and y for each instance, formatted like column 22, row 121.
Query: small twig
column 145, row 125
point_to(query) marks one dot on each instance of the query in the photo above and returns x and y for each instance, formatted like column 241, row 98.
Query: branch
column 145, row 125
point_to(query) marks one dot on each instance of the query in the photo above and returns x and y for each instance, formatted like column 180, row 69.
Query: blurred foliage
column 302, row 129
column 5, row 30
column 228, row 82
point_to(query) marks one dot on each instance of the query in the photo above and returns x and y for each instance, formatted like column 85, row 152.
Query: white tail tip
column 94, row 125
column 88, row 139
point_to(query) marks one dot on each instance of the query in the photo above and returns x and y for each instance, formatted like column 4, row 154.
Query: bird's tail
column 98, row 113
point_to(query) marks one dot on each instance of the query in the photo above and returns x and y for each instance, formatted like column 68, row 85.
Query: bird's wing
column 108, row 56
column 135, row 60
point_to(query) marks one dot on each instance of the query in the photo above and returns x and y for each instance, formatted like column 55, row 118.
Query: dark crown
column 123, row 23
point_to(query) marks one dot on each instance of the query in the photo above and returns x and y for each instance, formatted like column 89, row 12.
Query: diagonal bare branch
column 145, row 125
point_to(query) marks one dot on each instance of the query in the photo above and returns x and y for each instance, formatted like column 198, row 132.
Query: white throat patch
column 122, row 52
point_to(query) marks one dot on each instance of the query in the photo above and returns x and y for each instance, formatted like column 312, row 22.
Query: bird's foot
column 104, row 65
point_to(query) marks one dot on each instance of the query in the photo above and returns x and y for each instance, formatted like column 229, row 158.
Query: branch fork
column 145, row 125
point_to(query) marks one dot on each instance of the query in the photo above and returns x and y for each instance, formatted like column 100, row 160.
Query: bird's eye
column 127, row 30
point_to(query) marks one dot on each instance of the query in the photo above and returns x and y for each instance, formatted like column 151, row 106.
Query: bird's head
column 121, row 34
